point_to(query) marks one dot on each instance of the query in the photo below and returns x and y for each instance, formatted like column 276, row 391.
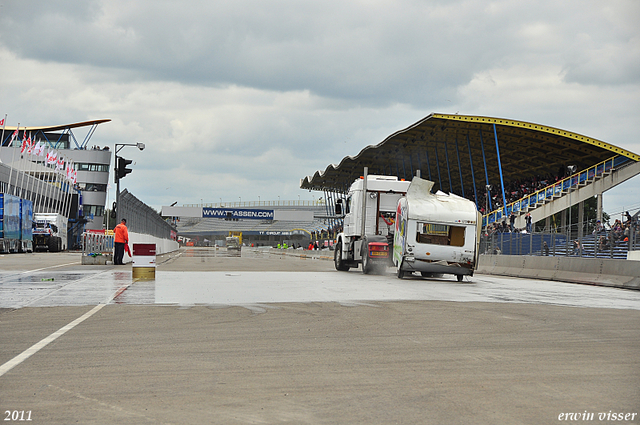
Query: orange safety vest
column 121, row 234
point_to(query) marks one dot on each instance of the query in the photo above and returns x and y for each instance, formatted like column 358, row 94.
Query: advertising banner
column 237, row 213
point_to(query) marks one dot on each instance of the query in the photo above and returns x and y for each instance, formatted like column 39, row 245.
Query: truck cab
column 368, row 214
column 49, row 232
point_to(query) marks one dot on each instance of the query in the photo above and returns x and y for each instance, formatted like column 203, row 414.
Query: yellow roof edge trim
column 539, row 127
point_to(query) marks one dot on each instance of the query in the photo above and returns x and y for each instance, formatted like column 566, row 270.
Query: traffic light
column 122, row 169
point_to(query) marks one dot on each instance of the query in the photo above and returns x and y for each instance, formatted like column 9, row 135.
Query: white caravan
column 435, row 233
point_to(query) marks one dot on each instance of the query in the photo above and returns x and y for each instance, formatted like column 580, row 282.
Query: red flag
column 2, row 121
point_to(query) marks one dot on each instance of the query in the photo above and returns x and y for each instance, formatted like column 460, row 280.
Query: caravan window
column 440, row 234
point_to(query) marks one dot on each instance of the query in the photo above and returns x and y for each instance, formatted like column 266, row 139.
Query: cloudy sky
column 239, row 100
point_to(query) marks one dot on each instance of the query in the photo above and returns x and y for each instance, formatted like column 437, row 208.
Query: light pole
column 486, row 200
column 121, row 171
column 571, row 169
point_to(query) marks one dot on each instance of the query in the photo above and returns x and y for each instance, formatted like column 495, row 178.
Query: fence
column 97, row 248
column 594, row 242
column 141, row 218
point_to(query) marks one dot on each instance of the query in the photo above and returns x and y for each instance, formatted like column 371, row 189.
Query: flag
column 37, row 149
column 14, row 135
column 29, row 144
column 24, row 143
column 2, row 122
column 69, row 171
column 52, row 157
column 60, row 164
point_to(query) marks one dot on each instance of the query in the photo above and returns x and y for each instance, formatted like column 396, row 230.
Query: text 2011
column 17, row 415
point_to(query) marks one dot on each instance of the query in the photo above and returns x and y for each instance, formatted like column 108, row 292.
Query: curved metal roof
column 58, row 127
column 445, row 148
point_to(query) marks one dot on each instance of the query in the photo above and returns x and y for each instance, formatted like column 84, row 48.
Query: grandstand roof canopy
column 58, row 127
column 43, row 131
column 446, row 148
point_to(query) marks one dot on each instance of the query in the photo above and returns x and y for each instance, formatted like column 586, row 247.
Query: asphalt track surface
column 279, row 339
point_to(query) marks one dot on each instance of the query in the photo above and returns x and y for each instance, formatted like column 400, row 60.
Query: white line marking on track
column 46, row 341
column 50, row 267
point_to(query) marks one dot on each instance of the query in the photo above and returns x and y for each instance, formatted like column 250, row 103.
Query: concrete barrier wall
column 592, row 271
column 163, row 246
column 633, row 255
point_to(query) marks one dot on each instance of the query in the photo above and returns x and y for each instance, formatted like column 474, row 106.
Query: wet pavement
column 76, row 285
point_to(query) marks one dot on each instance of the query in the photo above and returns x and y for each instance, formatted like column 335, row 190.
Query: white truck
column 369, row 212
column 435, row 233
column 233, row 246
column 50, row 232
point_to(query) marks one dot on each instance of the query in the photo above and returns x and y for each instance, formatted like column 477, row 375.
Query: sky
column 238, row 100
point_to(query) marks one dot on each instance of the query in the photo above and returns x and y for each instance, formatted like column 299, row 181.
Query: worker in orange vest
column 120, row 239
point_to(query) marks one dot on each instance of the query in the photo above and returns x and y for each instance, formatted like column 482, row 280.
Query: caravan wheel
column 400, row 272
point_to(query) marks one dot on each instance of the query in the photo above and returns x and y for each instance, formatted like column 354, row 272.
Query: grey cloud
column 254, row 85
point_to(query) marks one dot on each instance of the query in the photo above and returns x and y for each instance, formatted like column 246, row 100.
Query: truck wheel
column 459, row 277
column 367, row 266
column 59, row 244
column 400, row 272
column 52, row 244
column 337, row 258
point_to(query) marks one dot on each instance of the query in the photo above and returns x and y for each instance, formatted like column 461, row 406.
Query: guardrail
column 97, row 248
column 583, row 240
column 555, row 190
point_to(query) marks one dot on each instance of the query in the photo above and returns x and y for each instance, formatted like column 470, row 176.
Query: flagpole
column 32, row 195
column 47, row 188
column 38, row 196
column 42, row 183
column 13, row 157
column 33, row 170
column 54, row 191
column 54, row 174
column 4, row 124
column 71, row 188
column 59, row 201
column 24, row 141
column 66, row 182
column 59, row 180
column 68, row 192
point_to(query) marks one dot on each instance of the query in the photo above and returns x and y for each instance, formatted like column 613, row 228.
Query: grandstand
column 507, row 167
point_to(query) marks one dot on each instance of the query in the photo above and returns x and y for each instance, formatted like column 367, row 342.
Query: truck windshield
column 440, row 234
